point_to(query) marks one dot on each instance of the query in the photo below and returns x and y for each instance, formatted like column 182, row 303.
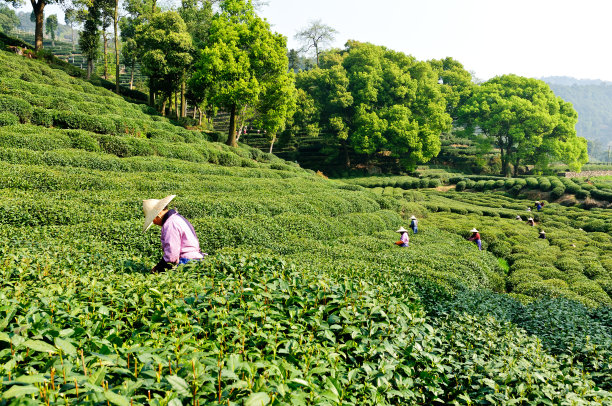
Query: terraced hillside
column 303, row 299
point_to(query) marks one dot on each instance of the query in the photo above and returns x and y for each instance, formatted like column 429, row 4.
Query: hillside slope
column 593, row 102
column 303, row 298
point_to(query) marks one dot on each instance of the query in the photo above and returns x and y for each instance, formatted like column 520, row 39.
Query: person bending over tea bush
column 530, row 222
column 404, row 239
column 179, row 241
column 476, row 238
column 542, row 235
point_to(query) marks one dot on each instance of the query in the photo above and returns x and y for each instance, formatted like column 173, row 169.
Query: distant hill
column 592, row 99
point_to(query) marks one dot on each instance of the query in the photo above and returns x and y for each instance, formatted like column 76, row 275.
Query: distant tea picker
column 179, row 241
column 476, row 238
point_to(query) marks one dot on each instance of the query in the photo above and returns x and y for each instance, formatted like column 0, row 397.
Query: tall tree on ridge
column 70, row 16
column 245, row 64
column 527, row 121
column 166, row 53
column 89, row 38
column 316, row 36
column 51, row 27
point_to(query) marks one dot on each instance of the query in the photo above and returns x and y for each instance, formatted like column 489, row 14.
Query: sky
column 533, row 38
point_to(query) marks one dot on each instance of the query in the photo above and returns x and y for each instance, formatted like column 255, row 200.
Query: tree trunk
column 200, row 116
column 38, row 9
column 90, row 68
column 176, row 106
column 132, row 74
column 72, row 33
column 164, row 107
column 151, row 94
column 516, row 166
column 183, row 101
column 231, row 139
column 503, row 159
column 347, row 158
column 116, row 29
column 105, row 52
column 272, row 143
column 194, row 112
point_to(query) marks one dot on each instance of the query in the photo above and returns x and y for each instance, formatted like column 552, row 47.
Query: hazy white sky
column 532, row 38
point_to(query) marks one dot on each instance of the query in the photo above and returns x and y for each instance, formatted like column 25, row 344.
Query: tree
column 116, row 36
column 129, row 48
column 457, row 84
column 527, row 121
column 377, row 101
column 70, row 17
column 315, row 37
column 38, row 9
column 245, row 64
column 8, row 19
column 165, row 47
column 51, row 27
column 197, row 15
column 89, row 38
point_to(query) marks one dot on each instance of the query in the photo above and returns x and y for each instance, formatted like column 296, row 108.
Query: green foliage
column 8, row 118
column 371, row 99
column 8, row 19
column 527, row 128
column 304, row 298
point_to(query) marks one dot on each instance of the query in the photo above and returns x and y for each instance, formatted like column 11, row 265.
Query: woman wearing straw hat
column 530, row 222
column 404, row 240
column 178, row 238
column 476, row 238
column 414, row 223
column 519, row 218
column 542, row 235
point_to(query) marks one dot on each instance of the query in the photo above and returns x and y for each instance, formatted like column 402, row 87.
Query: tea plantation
column 303, row 299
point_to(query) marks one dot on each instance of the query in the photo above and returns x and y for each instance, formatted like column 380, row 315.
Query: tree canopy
column 375, row 100
column 528, row 123
column 51, row 26
column 165, row 51
column 245, row 64
column 8, row 19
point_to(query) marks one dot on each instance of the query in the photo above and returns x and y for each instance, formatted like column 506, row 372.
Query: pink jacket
column 178, row 239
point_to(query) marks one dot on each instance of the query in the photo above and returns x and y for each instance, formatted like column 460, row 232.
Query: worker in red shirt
column 476, row 238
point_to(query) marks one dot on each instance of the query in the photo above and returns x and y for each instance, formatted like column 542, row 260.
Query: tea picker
column 476, row 238
column 542, row 235
column 404, row 240
column 178, row 238
column 414, row 224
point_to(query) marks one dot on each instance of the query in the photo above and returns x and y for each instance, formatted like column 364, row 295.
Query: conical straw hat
column 152, row 207
column 413, row 218
column 401, row 230
column 473, row 230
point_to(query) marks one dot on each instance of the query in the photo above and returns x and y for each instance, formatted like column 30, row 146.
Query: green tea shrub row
column 404, row 182
column 31, row 137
